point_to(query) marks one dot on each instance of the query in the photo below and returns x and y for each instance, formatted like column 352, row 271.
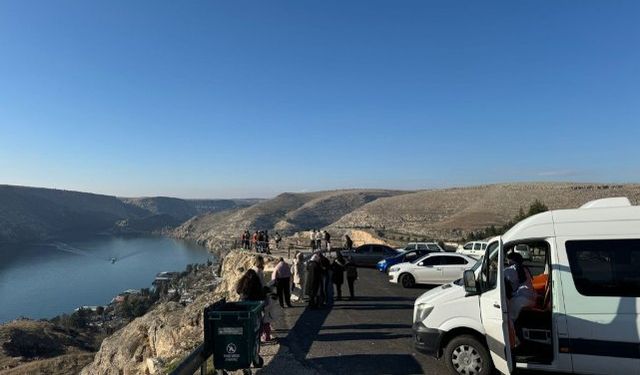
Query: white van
column 586, row 318
column 474, row 249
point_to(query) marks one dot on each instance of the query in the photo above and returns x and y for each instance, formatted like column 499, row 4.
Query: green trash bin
column 232, row 332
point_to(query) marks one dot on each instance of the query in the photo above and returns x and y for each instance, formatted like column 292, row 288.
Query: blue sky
column 239, row 98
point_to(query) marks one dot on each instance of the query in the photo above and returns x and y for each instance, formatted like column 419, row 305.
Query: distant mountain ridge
column 400, row 216
column 30, row 214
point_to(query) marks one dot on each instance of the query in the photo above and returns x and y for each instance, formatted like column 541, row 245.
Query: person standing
column 318, row 238
column 312, row 239
column 352, row 276
column 298, row 270
column 327, row 283
column 338, row 267
column 312, row 280
column 254, row 241
column 348, row 244
column 258, row 267
column 327, row 241
column 266, row 242
column 277, row 238
column 282, row 276
column 249, row 287
column 260, row 241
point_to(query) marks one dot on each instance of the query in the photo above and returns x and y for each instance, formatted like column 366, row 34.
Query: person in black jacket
column 352, row 276
column 313, row 280
column 327, row 285
column 338, row 267
column 348, row 243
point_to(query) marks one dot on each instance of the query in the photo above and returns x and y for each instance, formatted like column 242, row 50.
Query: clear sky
column 239, row 98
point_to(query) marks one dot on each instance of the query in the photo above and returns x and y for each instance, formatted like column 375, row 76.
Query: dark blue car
column 407, row 256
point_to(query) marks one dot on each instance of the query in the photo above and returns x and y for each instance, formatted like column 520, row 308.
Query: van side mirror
column 469, row 278
column 421, row 264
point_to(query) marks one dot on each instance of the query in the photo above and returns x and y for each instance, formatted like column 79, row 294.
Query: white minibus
column 586, row 274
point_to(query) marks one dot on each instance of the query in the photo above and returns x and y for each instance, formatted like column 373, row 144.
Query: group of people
column 322, row 274
column 259, row 241
column 320, row 240
column 314, row 279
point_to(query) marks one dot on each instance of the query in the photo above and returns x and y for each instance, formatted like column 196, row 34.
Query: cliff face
column 168, row 332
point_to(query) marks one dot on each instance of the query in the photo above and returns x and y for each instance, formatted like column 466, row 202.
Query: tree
column 537, row 207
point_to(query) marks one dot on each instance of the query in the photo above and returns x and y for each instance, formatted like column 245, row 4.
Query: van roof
column 602, row 217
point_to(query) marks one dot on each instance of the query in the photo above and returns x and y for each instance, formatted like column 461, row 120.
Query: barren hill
column 441, row 214
column 40, row 347
column 183, row 209
column 452, row 213
column 30, row 214
column 288, row 213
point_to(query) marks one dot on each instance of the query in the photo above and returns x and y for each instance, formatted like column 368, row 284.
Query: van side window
column 605, row 267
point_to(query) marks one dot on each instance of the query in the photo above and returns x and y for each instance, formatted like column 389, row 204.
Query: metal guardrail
column 194, row 361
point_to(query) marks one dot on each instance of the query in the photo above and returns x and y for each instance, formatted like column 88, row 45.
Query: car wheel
column 466, row 355
column 408, row 281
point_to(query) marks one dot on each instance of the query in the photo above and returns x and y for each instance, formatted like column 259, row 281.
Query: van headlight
column 422, row 311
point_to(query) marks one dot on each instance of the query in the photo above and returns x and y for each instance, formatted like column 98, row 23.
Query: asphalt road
column 369, row 335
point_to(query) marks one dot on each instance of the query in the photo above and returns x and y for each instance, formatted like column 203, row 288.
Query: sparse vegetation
column 535, row 208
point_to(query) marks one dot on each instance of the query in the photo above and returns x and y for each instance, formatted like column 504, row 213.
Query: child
column 270, row 314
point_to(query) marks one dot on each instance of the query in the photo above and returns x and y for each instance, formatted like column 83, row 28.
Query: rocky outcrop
column 168, row 332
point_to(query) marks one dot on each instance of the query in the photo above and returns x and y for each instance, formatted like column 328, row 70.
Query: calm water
column 41, row 281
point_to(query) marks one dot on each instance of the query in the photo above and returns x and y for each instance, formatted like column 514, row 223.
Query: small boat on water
column 113, row 260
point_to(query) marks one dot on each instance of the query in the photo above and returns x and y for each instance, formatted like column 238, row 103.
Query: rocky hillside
column 287, row 213
column 40, row 347
column 442, row 214
column 452, row 213
column 30, row 214
column 158, row 340
column 183, row 209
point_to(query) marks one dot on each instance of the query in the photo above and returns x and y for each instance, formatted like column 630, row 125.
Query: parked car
column 474, row 249
column 369, row 254
column 434, row 268
column 405, row 256
column 586, row 318
column 524, row 250
column 433, row 246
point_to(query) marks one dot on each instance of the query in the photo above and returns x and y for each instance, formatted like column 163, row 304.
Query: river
column 48, row 279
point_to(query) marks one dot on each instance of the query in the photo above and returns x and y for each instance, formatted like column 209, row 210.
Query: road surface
column 369, row 335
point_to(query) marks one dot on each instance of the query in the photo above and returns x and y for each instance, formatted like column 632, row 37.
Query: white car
column 430, row 246
column 434, row 268
column 473, row 249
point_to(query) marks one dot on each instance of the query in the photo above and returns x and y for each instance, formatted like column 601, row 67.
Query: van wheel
column 408, row 281
column 466, row 355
